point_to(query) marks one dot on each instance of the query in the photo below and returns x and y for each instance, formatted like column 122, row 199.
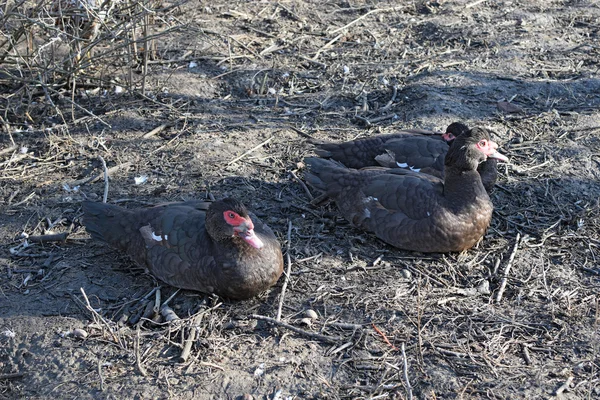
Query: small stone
column 484, row 287
column 406, row 274
column 306, row 321
column 260, row 370
column 311, row 314
column 247, row 396
column 79, row 333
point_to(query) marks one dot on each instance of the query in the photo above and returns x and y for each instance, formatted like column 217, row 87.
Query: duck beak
column 499, row 156
column 495, row 154
column 246, row 231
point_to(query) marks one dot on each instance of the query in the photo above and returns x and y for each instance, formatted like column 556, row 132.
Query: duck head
column 228, row 219
column 471, row 148
column 454, row 130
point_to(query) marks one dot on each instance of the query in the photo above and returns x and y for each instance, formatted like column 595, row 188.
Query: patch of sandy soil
column 231, row 76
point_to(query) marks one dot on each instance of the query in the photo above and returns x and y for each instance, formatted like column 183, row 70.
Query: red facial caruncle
column 490, row 149
column 234, row 219
column 243, row 228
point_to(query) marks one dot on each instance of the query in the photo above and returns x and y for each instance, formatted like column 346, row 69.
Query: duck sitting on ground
column 216, row 247
column 415, row 149
column 415, row 211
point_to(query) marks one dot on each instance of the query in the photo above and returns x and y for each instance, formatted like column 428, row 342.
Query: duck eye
column 231, row 215
column 483, row 143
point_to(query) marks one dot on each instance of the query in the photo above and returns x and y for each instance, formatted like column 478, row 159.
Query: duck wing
column 415, row 153
column 361, row 153
column 399, row 206
column 170, row 240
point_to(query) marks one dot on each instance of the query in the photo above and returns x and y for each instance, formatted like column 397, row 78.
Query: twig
column 25, row 200
column 327, row 45
column 91, row 114
column 14, row 251
column 97, row 316
column 250, row 151
column 56, row 237
column 208, row 364
column 369, row 122
column 378, row 10
column 385, row 339
column 166, row 311
column 389, row 103
column 288, row 271
column 138, row 357
column 105, row 197
column 167, row 301
column 308, row 193
column 155, row 131
column 310, row 60
column 507, row 269
column 408, row 386
column 344, row 325
column 301, row 133
column 473, row 4
column 102, row 388
column 15, row 375
column 168, row 314
column 526, row 354
column 564, row 386
column 145, row 23
column 8, row 150
column 93, row 179
column 187, row 346
column 156, row 307
column 319, row 199
column 327, row 339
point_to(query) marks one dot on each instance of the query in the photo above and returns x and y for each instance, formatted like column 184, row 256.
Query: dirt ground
column 236, row 90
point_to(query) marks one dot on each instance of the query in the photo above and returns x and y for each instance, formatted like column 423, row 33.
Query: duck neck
column 463, row 188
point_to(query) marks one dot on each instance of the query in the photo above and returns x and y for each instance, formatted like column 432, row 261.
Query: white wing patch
column 405, row 165
column 159, row 238
column 428, row 214
column 369, row 199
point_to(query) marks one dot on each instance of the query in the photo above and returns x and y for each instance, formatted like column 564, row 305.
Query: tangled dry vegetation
column 177, row 100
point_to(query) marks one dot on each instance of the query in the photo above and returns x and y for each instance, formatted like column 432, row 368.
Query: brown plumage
column 415, row 211
column 214, row 247
column 414, row 149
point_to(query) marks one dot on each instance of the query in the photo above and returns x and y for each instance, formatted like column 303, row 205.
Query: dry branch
column 15, row 375
column 138, row 357
column 507, row 269
column 250, row 151
column 288, row 271
column 8, row 150
column 405, row 374
column 95, row 178
column 323, row 338
column 56, row 237
column 308, row 193
column 189, row 341
column 156, row 131
column 105, row 197
column 378, row 10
